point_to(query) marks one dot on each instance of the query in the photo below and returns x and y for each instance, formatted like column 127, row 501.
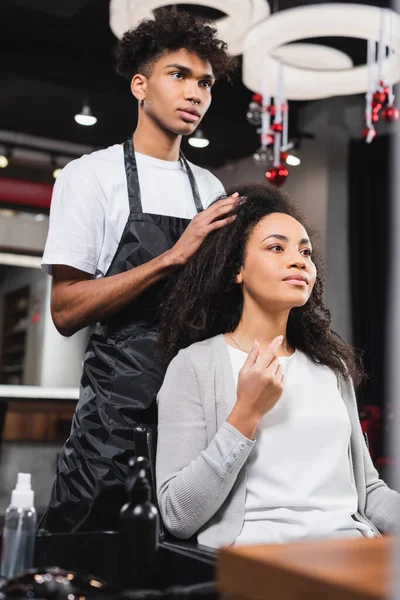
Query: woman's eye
column 306, row 252
column 276, row 248
column 205, row 83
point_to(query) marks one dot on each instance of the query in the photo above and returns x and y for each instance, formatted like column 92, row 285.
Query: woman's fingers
column 253, row 355
column 270, row 353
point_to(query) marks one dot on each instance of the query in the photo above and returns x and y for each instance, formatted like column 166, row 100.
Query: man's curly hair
column 171, row 30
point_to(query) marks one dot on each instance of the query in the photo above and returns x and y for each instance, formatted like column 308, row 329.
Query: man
column 120, row 223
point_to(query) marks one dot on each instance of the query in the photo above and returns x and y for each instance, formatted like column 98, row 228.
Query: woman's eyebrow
column 283, row 238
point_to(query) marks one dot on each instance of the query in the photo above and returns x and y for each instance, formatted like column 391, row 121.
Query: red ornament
column 272, row 109
column 267, row 139
column 257, row 98
column 271, row 175
column 376, row 107
column 384, row 87
column 374, row 117
column 378, row 98
column 368, row 133
column 277, row 127
column 390, row 114
column 277, row 175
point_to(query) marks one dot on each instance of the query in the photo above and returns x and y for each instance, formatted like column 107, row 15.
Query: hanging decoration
column 273, row 119
column 279, row 172
column 313, row 71
column 380, row 96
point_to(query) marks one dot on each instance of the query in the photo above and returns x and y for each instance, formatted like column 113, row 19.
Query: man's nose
column 192, row 93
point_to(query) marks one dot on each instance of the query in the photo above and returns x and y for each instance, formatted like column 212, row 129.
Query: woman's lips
column 187, row 116
column 294, row 281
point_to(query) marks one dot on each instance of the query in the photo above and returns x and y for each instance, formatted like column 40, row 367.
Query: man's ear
column 139, row 86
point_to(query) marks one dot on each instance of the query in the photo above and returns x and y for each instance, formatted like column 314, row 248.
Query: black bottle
column 139, row 529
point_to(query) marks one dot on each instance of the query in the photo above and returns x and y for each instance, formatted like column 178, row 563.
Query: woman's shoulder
column 201, row 353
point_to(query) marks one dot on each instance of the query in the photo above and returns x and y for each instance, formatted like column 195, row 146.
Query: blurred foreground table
column 351, row 569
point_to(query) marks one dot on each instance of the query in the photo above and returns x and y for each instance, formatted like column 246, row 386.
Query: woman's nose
column 298, row 262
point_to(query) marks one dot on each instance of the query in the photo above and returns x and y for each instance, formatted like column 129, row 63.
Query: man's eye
column 177, row 75
column 206, row 83
column 307, row 252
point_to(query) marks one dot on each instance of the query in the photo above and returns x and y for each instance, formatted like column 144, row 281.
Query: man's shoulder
column 211, row 184
column 203, row 173
column 95, row 161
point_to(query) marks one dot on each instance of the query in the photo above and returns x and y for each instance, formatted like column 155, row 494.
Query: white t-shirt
column 299, row 480
column 90, row 205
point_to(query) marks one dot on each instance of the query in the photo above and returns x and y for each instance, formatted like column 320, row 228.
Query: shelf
column 15, row 325
column 14, row 350
column 12, row 369
column 15, row 312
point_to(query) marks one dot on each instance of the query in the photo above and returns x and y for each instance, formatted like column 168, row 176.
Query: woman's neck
column 153, row 141
column 256, row 324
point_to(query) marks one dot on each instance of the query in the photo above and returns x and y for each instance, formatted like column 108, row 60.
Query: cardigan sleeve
column 382, row 506
column 193, row 477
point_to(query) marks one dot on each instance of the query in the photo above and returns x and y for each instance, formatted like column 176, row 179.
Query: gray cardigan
column 201, row 482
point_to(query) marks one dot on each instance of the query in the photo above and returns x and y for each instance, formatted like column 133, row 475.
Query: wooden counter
column 34, row 413
column 351, row 569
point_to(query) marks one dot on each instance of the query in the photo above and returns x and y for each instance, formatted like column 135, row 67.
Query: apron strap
column 135, row 202
column 132, row 176
column 193, row 184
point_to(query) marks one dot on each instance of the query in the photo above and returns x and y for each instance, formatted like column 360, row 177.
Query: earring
column 141, row 101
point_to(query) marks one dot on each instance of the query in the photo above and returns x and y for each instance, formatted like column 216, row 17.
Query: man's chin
column 184, row 129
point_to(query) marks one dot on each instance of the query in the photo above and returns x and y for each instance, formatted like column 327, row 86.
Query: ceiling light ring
column 241, row 16
column 346, row 20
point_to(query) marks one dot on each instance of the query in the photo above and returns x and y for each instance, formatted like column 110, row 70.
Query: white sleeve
column 215, row 188
column 76, row 226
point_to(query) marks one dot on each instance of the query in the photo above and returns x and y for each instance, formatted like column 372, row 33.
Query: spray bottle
column 139, row 529
column 19, row 529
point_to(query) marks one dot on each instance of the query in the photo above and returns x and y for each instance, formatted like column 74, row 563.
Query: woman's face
column 278, row 271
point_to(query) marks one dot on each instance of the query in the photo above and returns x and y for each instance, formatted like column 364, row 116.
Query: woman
column 259, row 438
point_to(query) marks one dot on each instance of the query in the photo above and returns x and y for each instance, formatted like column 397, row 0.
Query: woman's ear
column 138, row 86
column 239, row 277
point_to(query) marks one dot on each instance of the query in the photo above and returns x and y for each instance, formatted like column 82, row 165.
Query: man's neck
column 153, row 141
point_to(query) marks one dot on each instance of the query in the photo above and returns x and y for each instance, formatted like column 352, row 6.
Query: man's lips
column 296, row 279
column 190, row 114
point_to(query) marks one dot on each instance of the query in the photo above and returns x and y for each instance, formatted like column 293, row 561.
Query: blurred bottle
column 19, row 529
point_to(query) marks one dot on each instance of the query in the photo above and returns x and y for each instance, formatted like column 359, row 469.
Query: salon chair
column 146, row 445
column 181, row 562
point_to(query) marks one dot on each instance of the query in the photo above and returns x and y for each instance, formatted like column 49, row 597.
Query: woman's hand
column 260, row 385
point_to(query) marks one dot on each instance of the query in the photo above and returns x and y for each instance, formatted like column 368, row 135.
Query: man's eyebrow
column 189, row 71
column 278, row 236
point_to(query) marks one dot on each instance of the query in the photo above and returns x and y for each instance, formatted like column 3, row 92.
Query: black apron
column 120, row 381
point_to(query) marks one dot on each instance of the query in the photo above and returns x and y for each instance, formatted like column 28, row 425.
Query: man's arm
column 77, row 300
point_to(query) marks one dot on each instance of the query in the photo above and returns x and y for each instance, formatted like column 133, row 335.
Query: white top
column 90, row 205
column 299, row 482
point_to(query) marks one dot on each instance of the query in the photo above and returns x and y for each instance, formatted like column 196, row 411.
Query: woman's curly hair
column 171, row 30
column 203, row 299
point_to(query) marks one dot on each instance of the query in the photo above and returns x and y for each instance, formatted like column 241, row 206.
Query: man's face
column 178, row 91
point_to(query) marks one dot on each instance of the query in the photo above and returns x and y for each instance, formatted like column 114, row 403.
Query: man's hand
column 199, row 228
